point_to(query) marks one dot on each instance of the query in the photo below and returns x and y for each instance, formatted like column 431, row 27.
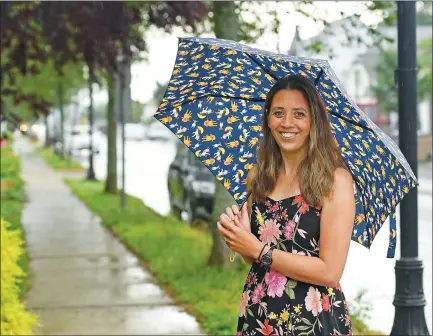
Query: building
column 354, row 63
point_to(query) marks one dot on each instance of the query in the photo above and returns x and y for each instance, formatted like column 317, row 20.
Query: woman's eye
column 299, row 114
column 278, row 113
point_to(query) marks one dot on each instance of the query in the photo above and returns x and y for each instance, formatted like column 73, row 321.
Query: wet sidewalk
column 83, row 280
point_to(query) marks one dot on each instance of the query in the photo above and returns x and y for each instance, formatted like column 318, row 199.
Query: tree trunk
column 111, row 180
column 62, row 118
column 226, row 27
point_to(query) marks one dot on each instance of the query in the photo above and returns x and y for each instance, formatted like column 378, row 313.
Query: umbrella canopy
column 214, row 101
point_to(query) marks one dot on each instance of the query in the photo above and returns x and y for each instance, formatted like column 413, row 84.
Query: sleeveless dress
column 273, row 304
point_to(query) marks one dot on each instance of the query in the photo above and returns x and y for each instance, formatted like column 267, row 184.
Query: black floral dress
column 273, row 304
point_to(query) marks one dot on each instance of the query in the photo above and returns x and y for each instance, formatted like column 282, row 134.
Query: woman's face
column 290, row 121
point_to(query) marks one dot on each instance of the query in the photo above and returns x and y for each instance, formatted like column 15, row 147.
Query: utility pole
column 409, row 300
column 90, row 172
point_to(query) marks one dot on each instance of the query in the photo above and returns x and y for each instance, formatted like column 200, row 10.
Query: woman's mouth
column 288, row 135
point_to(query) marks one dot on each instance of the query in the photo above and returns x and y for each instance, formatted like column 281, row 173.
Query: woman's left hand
column 237, row 238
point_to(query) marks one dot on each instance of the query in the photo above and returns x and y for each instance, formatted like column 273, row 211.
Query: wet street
column 146, row 177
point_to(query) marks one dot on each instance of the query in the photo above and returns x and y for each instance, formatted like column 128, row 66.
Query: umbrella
column 213, row 103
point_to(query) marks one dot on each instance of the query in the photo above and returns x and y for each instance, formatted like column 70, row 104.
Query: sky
column 162, row 47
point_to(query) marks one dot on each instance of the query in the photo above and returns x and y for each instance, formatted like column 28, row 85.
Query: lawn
column 177, row 255
column 57, row 162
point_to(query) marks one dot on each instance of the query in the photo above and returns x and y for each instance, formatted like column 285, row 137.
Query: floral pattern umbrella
column 213, row 104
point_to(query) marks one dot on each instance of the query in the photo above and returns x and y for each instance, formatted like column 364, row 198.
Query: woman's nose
column 287, row 120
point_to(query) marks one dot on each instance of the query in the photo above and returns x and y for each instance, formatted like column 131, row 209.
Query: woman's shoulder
column 343, row 184
column 342, row 177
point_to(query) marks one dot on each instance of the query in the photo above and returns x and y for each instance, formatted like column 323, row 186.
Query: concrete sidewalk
column 83, row 280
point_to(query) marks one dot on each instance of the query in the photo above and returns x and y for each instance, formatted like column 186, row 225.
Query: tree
column 384, row 89
column 164, row 15
column 226, row 26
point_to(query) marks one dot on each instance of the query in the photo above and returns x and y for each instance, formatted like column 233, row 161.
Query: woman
column 302, row 210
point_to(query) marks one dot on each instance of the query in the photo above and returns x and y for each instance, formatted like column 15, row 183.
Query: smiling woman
column 297, row 225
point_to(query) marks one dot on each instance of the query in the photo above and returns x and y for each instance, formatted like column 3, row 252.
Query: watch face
column 267, row 258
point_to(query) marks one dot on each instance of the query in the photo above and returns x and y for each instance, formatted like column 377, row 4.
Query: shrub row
column 15, row 319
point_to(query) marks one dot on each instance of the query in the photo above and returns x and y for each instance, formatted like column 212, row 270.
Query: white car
column 134, row 132
column 157, row 131
column 77, row 140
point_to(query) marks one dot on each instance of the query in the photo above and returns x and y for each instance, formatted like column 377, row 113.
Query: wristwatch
column 266, row 259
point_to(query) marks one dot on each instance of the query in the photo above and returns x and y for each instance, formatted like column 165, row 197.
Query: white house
column 354, row 64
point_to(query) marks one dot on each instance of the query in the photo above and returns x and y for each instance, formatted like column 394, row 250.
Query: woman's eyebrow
column 300, row 109
column 277, row 107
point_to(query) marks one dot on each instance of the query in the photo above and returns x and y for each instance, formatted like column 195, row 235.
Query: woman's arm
column 336, row 227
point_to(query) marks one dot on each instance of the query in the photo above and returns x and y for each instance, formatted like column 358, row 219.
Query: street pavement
column 83, row 280
column 146, row 177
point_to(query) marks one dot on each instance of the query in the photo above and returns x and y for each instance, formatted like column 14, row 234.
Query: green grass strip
column 57, row 162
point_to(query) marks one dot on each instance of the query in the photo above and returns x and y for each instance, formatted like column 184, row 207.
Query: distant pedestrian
column 297, row 225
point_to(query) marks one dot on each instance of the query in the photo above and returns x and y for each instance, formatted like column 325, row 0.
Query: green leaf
column 291, row 283
column 302, row 327
column 290, row 293
column 306, row 321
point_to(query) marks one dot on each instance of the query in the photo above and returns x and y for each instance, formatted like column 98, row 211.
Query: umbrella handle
column 232, row 256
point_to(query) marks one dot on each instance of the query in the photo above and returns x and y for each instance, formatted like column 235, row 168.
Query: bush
column 12, row 198
column 15, row 319
column 177, row 254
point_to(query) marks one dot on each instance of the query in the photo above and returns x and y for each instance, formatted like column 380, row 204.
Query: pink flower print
column 274, row 208
column 276, row 283
column 288, row 232
column 239, row 333
column 304, row 208
column 284, row 214
column 312, row 301
column 326, row 303
column 269, row 232
column 244, row 303
column 298, row 199
column 347, row 320
column 258, row 293
column 338, row 287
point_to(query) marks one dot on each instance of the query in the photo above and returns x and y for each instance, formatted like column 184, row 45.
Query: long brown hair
column 316, row 171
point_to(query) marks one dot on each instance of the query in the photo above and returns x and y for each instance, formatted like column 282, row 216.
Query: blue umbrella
column 214, row 101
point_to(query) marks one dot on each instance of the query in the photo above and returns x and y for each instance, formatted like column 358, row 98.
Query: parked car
column 157, row 131
column 134, row 132
column 191, row 187
column 77, row 140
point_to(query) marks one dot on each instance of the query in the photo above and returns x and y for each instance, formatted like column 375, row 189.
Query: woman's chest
column 290, row 225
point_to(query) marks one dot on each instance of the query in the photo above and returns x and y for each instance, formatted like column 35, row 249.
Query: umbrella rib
column 316, row 81
column 263, row 68
column 351, row 121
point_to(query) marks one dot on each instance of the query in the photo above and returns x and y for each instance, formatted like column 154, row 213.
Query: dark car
column 191, row 187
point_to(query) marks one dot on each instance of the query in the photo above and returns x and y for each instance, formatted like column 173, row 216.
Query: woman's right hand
column 242, row 215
